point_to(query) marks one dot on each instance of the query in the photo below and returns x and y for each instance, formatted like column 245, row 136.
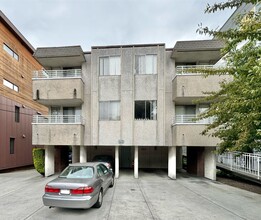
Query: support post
column 136, row 162
column 172, row 163
column 117, row 167
column 179, row 158
column 49, row 160
column 209, row 163
column 75, row 154
column 83, row 154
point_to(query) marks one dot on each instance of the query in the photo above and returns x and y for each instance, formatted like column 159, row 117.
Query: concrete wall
column 189, row 135
column 59, row 91
column 127, row 88
column 185, row 86
column 58, row 134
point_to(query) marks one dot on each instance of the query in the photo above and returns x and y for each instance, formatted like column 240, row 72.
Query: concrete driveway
column 153, row 196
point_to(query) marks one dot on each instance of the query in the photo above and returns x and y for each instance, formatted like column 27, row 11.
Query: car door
column 102, row 176
column 106, row 174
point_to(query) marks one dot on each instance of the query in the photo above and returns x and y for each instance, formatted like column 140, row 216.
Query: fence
column 58, row 119
column 242, row 162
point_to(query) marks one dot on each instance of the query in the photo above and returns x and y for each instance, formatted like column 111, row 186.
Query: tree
column 236, row 107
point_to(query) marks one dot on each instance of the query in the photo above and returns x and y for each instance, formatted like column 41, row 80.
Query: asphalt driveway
column 153, row 196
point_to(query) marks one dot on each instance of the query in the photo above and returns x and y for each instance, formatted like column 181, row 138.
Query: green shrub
column 38, row 158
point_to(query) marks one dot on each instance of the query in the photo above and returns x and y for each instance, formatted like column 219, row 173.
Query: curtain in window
column 151, row 64
column 115, row 66
column 110, row 110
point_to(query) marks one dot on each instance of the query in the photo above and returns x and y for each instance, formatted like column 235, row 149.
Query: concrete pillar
column 83, row 154
column 49, row 160
column 136, row 162
column 117, row 167
column 172, row 163
column 179, row 158
column 75, row 154
column 209, row 163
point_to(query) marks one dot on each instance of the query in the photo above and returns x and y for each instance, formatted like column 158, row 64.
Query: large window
column 17, row 114
column 146, row 64
column 146, row 110
column 10, row 51
column 110, row 110
column 110, row 65
column 12, row 142
column 10, row 85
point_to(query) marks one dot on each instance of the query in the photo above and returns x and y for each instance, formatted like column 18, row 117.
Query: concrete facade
column 118, row 109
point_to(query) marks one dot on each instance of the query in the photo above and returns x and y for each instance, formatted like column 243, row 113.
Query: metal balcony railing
column 183, row 70
column 247, row 163
column 54, row 74
column 58, row 119
column 190, row 119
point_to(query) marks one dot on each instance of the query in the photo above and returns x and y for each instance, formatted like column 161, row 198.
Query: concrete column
column 75, row 154
column 179, row 158
column 136, row 162
column 172, row 163
column 209, row 163
column 83, row 154
column 117, row 167
column 49, row 160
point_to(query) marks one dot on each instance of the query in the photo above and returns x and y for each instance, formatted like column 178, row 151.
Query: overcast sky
column 47, row 23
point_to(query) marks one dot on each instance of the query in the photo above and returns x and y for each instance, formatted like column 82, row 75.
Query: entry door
column 125, row 157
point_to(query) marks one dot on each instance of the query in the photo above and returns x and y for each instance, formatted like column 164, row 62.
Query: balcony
column 58, row 87
column 187, row 132
column 190, row 86
column 58, row 130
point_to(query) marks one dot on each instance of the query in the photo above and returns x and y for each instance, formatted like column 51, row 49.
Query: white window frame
column 10, row 85
column 113, row 68
column 142, row 65
column 107, row 112
column 10, row 52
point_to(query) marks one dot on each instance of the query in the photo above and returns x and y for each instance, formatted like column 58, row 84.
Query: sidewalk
column 153, row 196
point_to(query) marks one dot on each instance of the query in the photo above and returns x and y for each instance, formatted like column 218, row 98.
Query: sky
column 52, row 23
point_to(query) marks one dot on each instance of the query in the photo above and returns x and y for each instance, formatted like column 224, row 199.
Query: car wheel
column 112, row 182
column 98, row 204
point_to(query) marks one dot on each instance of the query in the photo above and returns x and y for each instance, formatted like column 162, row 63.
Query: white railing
column 52, row 74
column 183, row 70
column 58, row 119
column 241, row 162
column 191, row 119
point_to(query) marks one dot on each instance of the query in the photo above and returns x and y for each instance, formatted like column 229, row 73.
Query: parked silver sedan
column 80, row 185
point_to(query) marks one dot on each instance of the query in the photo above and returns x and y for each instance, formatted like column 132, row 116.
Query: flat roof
column 16, row 32
column 128, row 45
column 63, row 51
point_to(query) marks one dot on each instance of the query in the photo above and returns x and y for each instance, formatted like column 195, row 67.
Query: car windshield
column 77, row 172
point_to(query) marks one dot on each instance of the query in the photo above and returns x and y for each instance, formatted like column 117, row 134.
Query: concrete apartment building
column 16, row 104
column 134, row 102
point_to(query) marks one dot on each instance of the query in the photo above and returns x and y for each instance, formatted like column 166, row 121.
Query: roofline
column 59, row 47
column 196, row 40
column 16, row 32
column 128, row 45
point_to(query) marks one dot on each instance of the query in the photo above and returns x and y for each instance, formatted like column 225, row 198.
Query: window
column 110, row 66
column 17, row 114
column 110, row 110
column 146, row 64
column 10, row 51
column 10, row 85
column 12, row 140
column 146, row 110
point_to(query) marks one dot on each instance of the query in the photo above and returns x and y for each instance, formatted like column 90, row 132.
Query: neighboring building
column 134, row 102
column 16, row 104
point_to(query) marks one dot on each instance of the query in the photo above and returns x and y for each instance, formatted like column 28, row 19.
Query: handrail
column 183, row 70
column 248, row 163
column 52, row 74
column 191, row 119
column 58, row 119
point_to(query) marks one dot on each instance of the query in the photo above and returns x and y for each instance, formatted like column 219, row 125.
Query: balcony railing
column 58, row 119
column 183, row 70
column 54, row 74
column 190, row 119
